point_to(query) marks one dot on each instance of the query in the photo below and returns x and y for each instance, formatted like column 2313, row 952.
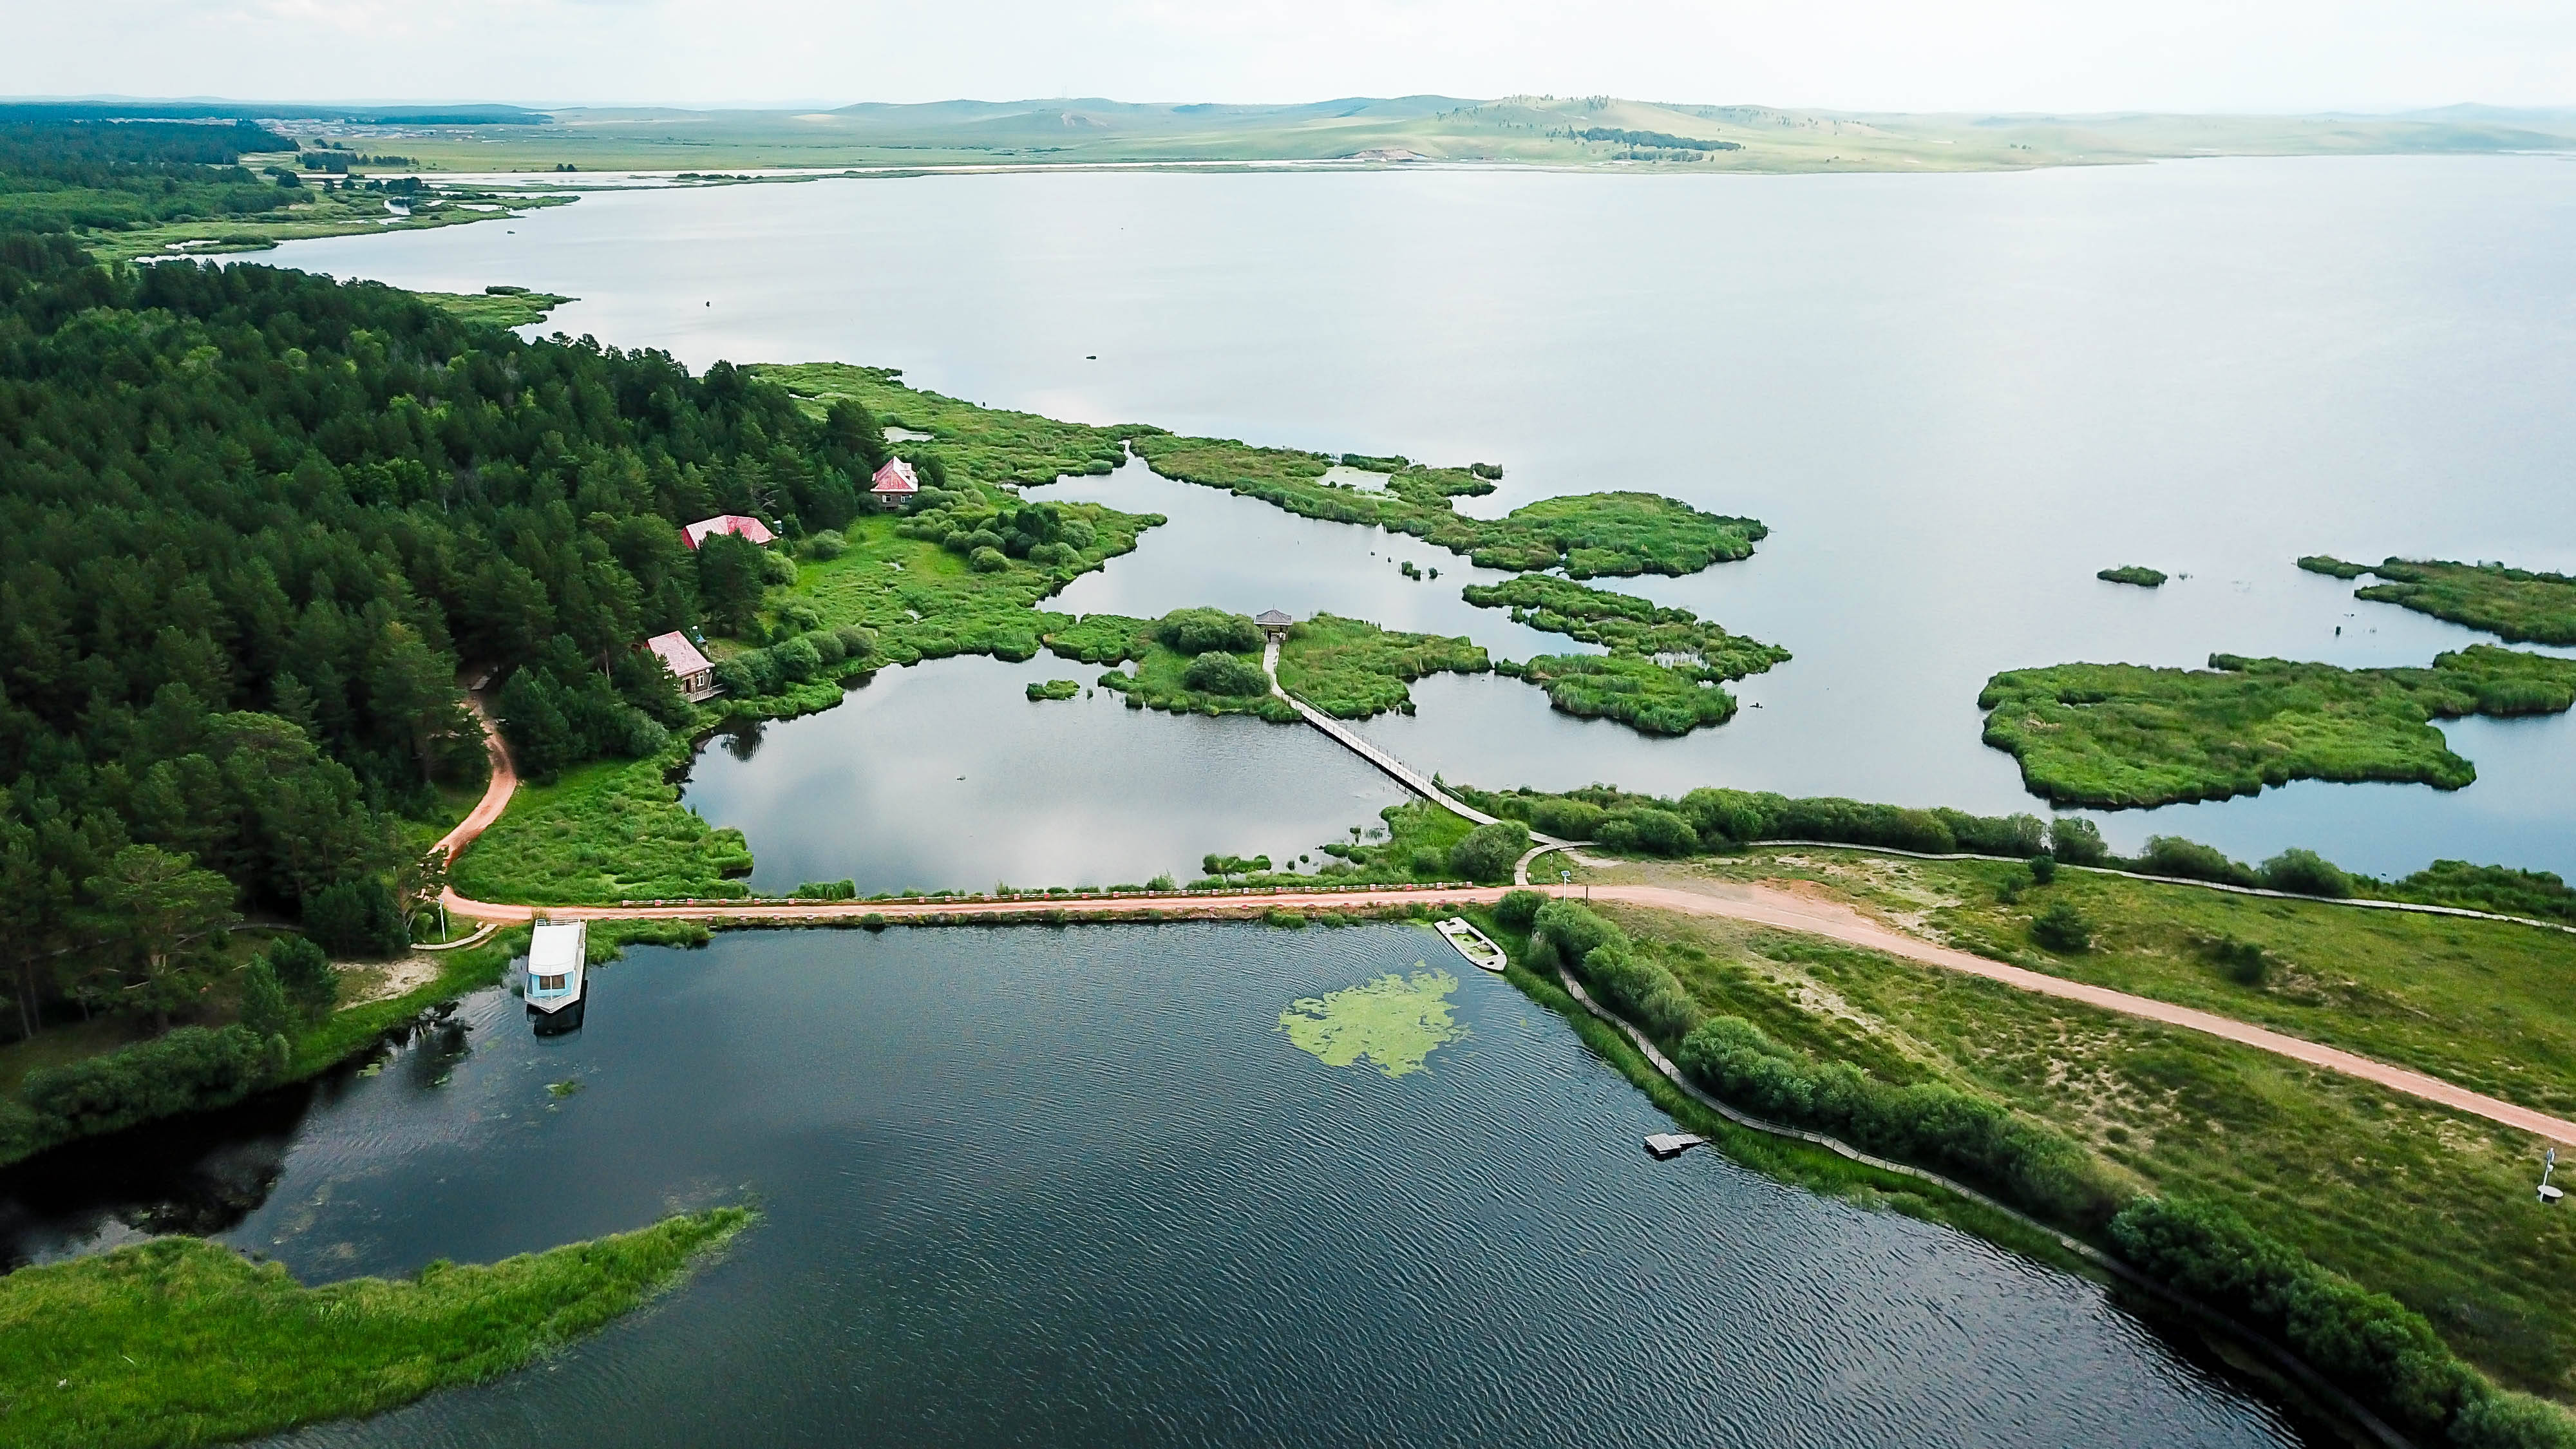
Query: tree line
column 254, row 527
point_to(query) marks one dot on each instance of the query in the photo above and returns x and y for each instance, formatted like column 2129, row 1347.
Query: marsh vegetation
column 2519, row 605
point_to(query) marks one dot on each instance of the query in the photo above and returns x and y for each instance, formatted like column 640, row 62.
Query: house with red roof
column 894, row 483
column 737, row 524
column 697, row 677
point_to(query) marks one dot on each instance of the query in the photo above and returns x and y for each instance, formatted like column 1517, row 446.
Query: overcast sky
column 2268, row 55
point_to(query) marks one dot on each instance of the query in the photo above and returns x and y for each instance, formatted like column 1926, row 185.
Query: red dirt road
column 1758, row 905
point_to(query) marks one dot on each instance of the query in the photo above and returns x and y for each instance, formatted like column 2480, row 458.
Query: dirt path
column 1759, row 905
column 1782, row 910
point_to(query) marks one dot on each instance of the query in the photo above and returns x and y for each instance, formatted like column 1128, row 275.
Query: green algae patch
column 1395, row 1022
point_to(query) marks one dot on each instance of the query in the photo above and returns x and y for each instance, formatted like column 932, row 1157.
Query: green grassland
column 178, row 1341
column 2138, row 574
column 497, row 306
column 1599, row 131
column 2120, row 735
column 1352, row 669
column 990, row 445
column 2522, row 606
column 313, row 214
column 2404, row 1196
column 1587, row 534
column 1651, row 698
column 1624, row 623
column 611, row 830
column 1161, row 680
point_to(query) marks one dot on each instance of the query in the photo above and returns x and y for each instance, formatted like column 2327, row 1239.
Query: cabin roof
column 896, row 477
column 554, row 947
column 738, row 524
column 677, row 654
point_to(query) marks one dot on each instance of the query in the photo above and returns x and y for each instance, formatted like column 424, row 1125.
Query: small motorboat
column 558, row 985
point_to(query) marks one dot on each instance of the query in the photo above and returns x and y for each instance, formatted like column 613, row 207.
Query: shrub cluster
column 1489, row 851
column 1927, row 1122
column 1635, row 986
column 1202, row 631
column 827, row 890
column 821, row 654
column 188, row 1070
column 2377, row 1349
column 1226, row 674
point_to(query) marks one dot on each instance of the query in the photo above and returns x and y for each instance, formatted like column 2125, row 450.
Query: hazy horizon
column 1987, row 56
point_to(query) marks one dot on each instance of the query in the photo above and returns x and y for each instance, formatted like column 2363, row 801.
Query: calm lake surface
column 1953, row 398
column 1076, row 1187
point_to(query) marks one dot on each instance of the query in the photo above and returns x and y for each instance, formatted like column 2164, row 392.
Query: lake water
column 1076, row 1187
column 1953, row 398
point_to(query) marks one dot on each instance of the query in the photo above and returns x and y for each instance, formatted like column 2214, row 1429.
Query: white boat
column 558, row 953
column 1480, row 952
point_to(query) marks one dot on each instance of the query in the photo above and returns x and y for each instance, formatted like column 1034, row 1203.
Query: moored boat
column 1473, row 944
column 558, row 983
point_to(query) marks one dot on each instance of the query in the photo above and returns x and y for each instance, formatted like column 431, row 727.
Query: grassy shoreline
column 182, row 1341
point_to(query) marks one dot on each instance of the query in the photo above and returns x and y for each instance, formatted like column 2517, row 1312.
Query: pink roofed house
column 737, row 524
column 697, row 677
column 895, row 482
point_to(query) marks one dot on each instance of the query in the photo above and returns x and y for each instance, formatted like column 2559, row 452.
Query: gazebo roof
column 1271, row 619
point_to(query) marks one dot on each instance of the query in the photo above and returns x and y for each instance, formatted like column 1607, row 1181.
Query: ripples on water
column 1076, row 1186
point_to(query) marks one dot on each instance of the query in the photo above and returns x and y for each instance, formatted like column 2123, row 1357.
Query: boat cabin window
column 550, row 983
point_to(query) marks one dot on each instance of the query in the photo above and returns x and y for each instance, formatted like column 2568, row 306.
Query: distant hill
column 1557, row 131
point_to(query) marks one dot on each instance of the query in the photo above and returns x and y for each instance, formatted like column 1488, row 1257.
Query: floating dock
column 1473, row 944
column 1668, row 1145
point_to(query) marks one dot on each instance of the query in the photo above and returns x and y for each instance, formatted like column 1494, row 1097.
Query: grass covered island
column 2120, row 736
column 179, row 1341
column 1664, row 667
column 2138, row 574
column 2518, row 605
column 1208, row 661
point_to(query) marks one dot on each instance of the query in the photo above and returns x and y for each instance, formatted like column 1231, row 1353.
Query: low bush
column 826, row 546
column 2171, row 855
column 827, row 890
column 1225, row 674
column 2063, row 929
column 2304, row 872
column 303, row 971
column 987, row 559
column 2374, row 1347
column 1199, row 631
column 2245, row 962
column 2043, row 869
column 1519, row 909
column 1488, row 852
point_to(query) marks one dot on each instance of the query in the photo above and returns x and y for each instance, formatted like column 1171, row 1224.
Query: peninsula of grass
column 2519, row 605
column 314, row 213
column 1624, row 623
column 179, row 1341
column 497, row 306
column 1352, row 669
column 1587, row 535
column 1651, row 698
column 2138, row 574
column 2403, row 1196
column 2120, row 736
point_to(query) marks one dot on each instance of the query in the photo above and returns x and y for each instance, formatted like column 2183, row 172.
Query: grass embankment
column 179, row 1341
column 1586, row 534
column 2138, row 574
column 498, row 306
column 2121, row 735
column 2518, row 604
column 314, row 213
column 1664, row 668
column 2402, row 1196
column 994, row 445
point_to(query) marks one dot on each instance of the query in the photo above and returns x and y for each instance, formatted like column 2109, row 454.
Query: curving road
column 1756, row 904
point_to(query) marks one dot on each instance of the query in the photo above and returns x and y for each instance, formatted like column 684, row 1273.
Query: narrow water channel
column 1078, row 1187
